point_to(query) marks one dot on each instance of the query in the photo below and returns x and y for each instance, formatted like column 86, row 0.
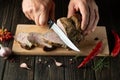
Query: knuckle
column 43, row 7
column 27, row 10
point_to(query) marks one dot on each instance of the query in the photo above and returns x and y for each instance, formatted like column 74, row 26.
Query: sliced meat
column 70, row 26
column 51, row 36
column 47, row 39
column 21, row 38
column 38, row 40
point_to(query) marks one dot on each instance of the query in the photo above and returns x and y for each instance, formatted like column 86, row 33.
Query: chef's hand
column 38, row 10
column 89, row 12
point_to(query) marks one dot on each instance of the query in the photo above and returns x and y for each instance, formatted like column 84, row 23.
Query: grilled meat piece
column 70, row 26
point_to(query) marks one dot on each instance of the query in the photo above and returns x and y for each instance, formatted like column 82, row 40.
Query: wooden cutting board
column 85, row 46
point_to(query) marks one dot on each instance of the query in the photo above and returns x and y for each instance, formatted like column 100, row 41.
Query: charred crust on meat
column 73, row 28
column 45, row 48
column 49, row 41
column 27, row 47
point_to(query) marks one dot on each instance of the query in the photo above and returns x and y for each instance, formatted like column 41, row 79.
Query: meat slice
column 22, row 39
column 48, row 39
column 51, row 36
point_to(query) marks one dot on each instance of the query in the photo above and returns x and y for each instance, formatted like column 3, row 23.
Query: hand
column 38, row 10
column 89, row 11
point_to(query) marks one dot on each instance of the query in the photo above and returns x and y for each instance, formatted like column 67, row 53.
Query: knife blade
column 62, row 35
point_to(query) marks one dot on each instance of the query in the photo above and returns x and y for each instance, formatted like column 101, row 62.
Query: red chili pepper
column 92, row 54
column 116, row 48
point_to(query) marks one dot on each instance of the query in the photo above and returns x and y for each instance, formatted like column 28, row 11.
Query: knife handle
column 50, row 23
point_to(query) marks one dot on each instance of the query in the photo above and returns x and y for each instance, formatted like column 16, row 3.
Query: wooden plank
column 14, row 72
column 104, row 73
column 85, row 45
column 45, row 68
column 115, row 68
column 2, row 65
column 2, row 61
column 71, row 70
column 5, row 20
column 11, row 70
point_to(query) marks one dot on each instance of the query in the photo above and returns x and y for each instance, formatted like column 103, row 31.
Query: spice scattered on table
column 92, row 54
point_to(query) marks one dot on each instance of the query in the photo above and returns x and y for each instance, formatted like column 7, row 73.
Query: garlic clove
column 58, row 63
column 24, row 65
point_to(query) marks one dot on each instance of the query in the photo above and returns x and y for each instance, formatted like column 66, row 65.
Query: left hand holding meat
column 89, row 11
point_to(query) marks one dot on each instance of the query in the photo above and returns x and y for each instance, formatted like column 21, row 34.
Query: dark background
column 108, row 11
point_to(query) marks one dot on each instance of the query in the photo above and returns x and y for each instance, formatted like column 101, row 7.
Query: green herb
column 100, row 64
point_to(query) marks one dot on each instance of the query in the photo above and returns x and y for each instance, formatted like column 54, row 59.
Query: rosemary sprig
column 100, row 64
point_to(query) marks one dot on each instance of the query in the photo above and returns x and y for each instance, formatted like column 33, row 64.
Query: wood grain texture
column 85, row 46
column 11, row 14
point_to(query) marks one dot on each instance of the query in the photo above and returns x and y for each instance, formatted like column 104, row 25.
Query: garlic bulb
column 4, row 51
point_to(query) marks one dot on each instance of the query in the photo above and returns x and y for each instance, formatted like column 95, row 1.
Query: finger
column 28, row 16
column 96, row 18
column 37, row 19
column 71, row 10
column 91, row 21
column 43, row 18
column 31, row 16
column 85, row 16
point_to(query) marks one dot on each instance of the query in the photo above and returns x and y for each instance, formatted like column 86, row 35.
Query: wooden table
column 42, row 67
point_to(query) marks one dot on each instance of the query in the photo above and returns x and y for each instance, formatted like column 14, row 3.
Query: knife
column 62, row 35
